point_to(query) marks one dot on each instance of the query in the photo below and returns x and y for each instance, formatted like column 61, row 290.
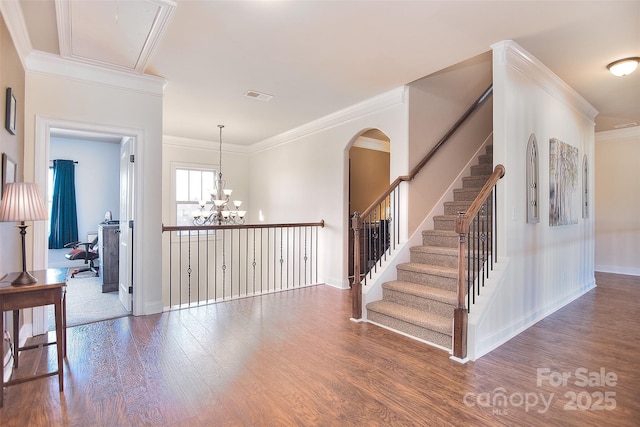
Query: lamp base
column 24, row 279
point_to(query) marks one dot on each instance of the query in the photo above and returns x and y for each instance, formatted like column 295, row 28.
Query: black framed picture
column 10, row 117
column 9, row 171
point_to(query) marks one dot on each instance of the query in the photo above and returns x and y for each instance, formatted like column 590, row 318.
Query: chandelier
column 219, row 212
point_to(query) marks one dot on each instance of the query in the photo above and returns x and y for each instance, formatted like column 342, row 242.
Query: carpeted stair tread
column 443, row 233
column 422, row 291
column 414, row 316
column 440, row 250
column 429, row 269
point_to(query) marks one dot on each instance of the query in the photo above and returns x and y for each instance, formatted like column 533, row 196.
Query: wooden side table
column 50, row 289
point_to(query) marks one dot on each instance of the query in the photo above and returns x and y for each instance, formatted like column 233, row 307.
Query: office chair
column 88, row 251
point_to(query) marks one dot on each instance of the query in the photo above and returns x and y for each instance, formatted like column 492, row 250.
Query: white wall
column 303, row 176
column 97, row 178
column 617, row 201
column 544, row 267
column 103, row 101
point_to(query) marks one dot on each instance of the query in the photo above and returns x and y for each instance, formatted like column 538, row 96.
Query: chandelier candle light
column 219, row 211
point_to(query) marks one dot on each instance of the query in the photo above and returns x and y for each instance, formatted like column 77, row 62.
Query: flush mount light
column 623, row 67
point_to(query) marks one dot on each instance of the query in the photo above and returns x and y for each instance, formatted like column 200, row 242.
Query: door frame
column 42, row 141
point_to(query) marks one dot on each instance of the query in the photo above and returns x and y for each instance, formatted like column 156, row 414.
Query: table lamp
column 21, row 201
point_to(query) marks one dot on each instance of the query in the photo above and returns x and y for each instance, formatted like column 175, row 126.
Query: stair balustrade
column 376, row 229
column 207, row 264
column 477, row 254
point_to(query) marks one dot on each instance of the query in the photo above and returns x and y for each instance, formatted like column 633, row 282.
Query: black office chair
column 88, row 251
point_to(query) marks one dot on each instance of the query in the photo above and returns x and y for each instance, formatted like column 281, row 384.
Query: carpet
column 87, row 304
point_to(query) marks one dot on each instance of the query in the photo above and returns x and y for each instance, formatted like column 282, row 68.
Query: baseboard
column 495, row 340
column 629, row 271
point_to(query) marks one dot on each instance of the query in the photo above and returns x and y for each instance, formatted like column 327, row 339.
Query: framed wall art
column 10, row 116
column 564, row 202
column 9, row 171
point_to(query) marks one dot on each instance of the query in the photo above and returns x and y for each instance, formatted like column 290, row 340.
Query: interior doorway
column 96, row 135
column 369, row 176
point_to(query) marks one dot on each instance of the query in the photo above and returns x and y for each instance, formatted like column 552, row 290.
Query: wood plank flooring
column 294, row 359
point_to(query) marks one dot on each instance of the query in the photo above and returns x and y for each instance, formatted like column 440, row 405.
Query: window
column 192, row 184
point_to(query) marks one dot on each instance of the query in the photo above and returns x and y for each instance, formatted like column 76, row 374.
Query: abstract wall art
column 564, row 203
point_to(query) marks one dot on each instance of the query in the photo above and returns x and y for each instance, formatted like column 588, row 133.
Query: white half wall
column 617, row 205
column 546, row 267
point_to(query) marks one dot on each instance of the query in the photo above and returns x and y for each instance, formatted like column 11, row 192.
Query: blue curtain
column 64, row 218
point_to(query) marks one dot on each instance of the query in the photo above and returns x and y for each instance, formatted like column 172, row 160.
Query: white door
column 125, row 289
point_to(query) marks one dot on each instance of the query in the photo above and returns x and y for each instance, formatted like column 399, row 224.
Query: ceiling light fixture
column 623, row 67
column 218, row 213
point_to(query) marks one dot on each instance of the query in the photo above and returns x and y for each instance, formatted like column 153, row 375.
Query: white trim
column 17, row 26
column 616, row 269
column 618, row 134
column 448, row 350
column 488, row 343
column 181, row 142
column 156, row 31
column 47, row 63
column 43, row 127
column 380, row 102
column 515, row 57
column 372, row 144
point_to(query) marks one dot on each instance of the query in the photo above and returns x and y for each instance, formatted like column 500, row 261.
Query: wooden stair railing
column 476, row 229
column 385, row 209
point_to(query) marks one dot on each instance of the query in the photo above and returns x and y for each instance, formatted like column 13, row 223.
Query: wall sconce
column 623, row 67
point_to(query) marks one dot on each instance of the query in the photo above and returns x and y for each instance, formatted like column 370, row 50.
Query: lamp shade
column 21, row 201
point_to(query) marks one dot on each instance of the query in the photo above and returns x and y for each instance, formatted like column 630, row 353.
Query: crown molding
column 618, row 134
column 14, row 20
column 515, row 57
column 182, row 142
column 46, row 63
column 382, row 101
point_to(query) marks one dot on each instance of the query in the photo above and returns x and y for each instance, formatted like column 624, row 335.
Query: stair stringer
column 387, row 271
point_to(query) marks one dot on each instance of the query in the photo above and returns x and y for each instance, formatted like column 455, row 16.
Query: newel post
column 356, row 286
column 460, row 313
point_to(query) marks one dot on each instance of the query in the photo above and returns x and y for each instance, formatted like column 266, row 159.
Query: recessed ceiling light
column 623, row 67
column 258, row 95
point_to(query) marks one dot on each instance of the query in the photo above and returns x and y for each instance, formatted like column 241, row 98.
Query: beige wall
column 436, row 102
column 11, row 75
column 122, row 110
column 369, row 177
column 617, row 201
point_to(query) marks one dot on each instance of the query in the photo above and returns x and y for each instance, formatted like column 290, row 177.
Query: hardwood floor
column 294, row 359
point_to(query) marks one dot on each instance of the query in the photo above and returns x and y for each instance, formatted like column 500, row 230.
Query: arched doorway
column 369, row 166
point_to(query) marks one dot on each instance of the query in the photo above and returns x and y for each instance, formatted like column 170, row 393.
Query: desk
column 50, row 289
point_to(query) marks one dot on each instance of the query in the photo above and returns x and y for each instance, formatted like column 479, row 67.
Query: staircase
column 420, row 303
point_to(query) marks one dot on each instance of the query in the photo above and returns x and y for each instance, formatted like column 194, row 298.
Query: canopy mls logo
column 597, row 398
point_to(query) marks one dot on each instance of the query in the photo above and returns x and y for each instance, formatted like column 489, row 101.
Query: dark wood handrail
column 239, row 226
column 478, row 102
column 464, row 222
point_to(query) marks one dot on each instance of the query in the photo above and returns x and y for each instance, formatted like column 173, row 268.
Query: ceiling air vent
column 258, row 95
column 626, row 125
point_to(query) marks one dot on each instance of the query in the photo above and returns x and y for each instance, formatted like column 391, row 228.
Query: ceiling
column 317, row 57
